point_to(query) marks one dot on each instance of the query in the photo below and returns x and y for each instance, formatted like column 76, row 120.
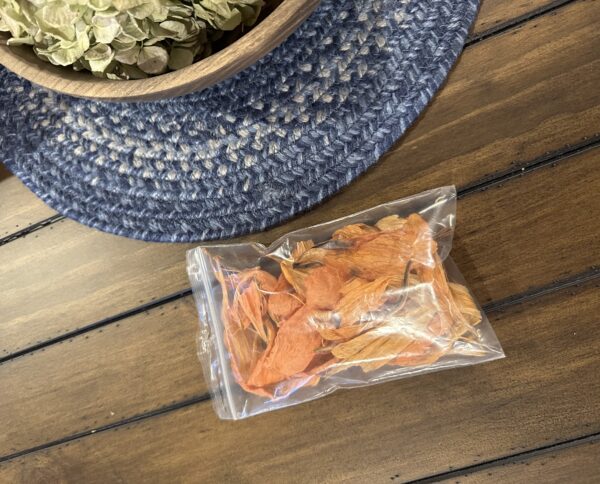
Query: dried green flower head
column 125, row 39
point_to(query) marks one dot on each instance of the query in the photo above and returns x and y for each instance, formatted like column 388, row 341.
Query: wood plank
column 543, row 391
column 19, row 208
column 503, row 243
column 578, row 463
column 78, row 276
column 475, row 126
column 144, row 362
column 510, row 224
column 494, row 13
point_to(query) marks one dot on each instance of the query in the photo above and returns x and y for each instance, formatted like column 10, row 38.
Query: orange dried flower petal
column 265, row 281
column 249, row 303
column 352, row 231
column 466, row 304
column 418, row 353
column 360, row 297
column 294, row 276
column 301, row 247
column 282, row 303
column 391, row 222
column 373, row 349
column 346, row 332
column 322, row 287
column 292, row 350
column 388, row 252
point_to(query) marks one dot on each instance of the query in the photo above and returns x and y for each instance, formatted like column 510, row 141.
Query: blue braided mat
column 252, row 151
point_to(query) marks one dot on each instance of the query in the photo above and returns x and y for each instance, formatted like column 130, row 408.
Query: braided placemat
column 252, row 151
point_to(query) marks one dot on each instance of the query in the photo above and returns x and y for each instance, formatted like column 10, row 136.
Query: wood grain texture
column 513, row 97
column 267, row 35
column 19, row 208
column 493, row 13
column 548, row 209
column 578, row 463
column 496, row 13
column 503, row 244
column 140, row 364
column 78, row 276
column 545, row 390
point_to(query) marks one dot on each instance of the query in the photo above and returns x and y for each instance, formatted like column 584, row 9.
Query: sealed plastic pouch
column 360, row 300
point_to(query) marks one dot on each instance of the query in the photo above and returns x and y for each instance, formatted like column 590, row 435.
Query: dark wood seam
column 580, row 279
column 550, row 158
column 492, row 463
column 516, row 22
column 487, row 34
column 111, row 426
column 32, row 228
column 556, row 286
column 98, row 324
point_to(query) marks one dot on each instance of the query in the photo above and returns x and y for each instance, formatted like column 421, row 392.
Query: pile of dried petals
column 370, row 296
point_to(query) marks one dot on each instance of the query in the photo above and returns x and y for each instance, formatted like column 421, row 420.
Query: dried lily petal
column 360, row 297
column 352, row 231
column 418, row 353
column 346, row 332
column 372, row 349
column 465, row 303
column 294, row 276
column 385, row 254
column 391, row 222
column 283, row 303
column 242, row 345
column 451, row 322
column 265, row 281
column 381, row 254
column 252, row 306
column 301, row 248
column 322, row 287
column 292, row 351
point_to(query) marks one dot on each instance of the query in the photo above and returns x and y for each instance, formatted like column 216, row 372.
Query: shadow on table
column 4, row 173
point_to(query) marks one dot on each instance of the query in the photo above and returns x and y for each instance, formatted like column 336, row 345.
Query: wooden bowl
column 267, row 35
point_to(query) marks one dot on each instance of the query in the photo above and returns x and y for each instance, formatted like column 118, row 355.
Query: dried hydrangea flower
column 124, row 39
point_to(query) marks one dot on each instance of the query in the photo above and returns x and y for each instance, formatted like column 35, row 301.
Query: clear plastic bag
column 367, row 298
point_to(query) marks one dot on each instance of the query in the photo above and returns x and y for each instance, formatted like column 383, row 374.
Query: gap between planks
column 471, row 40
column 492, row 463
column 516, row 22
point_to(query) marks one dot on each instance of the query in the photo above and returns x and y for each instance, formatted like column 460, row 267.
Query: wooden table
column 99, row 379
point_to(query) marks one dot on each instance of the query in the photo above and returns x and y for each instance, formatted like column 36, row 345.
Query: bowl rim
column 242, row 53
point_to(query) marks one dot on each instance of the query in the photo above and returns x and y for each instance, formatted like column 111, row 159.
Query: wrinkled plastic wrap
column 360, row 300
